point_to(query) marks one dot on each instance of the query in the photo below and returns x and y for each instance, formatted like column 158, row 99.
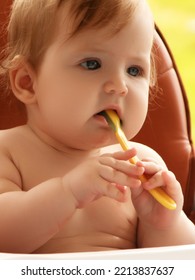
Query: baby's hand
column 107, row 175
column 149, row 210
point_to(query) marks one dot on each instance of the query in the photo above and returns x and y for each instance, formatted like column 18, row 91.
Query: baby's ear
column 22, row 78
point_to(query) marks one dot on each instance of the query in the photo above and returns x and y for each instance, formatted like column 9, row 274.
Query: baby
column 65, row 184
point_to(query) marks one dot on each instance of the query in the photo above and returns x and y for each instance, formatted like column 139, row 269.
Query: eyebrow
column 89, row 49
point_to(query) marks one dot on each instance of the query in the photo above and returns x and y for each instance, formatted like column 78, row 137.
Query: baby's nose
column 116, row 86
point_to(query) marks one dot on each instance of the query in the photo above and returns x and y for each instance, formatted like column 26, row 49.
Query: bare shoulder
column 146, row 153
column 10, row 141
column 143, row 152
column 11, row 136
column 17, row 140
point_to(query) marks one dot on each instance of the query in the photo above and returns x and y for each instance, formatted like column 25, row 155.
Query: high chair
column 166, row 129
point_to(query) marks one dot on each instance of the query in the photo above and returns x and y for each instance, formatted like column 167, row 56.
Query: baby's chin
column 131, row 132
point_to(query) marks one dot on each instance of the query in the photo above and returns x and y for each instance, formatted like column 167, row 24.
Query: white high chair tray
column 183, row 252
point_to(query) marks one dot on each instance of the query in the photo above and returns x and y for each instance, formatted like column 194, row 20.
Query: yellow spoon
column 158, row 193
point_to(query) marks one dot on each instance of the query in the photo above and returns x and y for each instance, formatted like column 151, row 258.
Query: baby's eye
column 91, row 64
column 134, row 71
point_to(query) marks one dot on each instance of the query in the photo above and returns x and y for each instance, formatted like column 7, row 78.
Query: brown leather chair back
column 166, row 129
column 12, row 112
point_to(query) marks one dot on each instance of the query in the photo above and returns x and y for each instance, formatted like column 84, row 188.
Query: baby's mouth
column 103, row 113
column 101, row 119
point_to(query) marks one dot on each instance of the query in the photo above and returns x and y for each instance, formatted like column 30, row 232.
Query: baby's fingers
column 123, row 166
column 154, row 181
column 122, row 155
column 117, row 176
column 116, row 191
column 150, row 167
column 168, row 181
column 125, row 155
column 173, row 187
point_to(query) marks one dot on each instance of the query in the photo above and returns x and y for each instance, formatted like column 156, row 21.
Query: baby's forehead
column 84, row 22
column 73, row 18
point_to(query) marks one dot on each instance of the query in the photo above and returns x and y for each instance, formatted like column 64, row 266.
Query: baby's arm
column 159, row 226
column 181, row 232
column 29, row 219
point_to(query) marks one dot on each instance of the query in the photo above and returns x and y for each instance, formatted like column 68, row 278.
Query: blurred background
column 176, row 20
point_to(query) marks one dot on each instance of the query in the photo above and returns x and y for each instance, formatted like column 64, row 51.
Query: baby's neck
column 68, row 151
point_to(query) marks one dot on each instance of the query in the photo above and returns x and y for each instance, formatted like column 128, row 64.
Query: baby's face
column 92, row 72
